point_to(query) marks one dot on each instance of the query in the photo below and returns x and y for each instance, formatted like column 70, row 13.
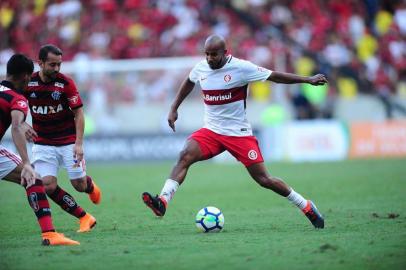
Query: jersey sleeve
column 73, row 96
column 194, row 75
column 253, row 73
column 20, row 104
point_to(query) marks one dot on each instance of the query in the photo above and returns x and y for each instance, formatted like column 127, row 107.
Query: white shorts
column 47, row 159
column 8, row 161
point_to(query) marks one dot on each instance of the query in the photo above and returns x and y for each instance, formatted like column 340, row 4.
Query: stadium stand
column 360, row 45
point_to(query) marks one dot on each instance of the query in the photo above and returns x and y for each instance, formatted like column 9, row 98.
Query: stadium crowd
column 360, row 45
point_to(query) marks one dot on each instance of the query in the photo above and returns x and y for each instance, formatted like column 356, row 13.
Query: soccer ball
column 210, row 219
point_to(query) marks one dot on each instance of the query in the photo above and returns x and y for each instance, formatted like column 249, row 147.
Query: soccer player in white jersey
column 224, row 81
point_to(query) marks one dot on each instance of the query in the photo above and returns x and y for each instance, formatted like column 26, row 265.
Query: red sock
column 39, row 203
column 90, row 186
column 67, row 202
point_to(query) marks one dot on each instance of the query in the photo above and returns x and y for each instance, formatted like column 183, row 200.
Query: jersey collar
column 8, row 84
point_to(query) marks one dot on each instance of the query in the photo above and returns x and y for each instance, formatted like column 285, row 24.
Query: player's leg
column 11, row 172
column 46, row 164
column 247, row 151
column 259, row 173
column 189, row 155
column 81, row 182
column 55, row 192
column 87, row 185
column 86, row 222
column 77, row 174
column 48, row 172
column 200, row 146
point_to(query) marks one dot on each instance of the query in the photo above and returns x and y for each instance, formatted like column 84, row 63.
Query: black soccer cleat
column 313, row 214
column 157, row 205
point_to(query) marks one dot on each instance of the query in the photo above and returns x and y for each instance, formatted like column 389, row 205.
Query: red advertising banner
column 386, row 139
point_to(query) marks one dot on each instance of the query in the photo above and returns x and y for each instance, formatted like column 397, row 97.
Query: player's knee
column 50, row 187
column 186, row 158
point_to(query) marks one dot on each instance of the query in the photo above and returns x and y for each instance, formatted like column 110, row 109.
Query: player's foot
column 95, row 195
column 54, row 239
column 157, row 204
column 87, row 222
column 313, row 215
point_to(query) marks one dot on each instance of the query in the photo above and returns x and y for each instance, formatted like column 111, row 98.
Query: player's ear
column 225, row 51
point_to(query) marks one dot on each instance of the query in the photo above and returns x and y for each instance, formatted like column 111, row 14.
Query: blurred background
column 129, row 57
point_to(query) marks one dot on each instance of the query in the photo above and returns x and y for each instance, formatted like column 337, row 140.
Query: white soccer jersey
column 225, row 93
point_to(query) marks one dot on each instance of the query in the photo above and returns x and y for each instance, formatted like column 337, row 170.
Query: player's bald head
column 215, row 42
column 215, row 50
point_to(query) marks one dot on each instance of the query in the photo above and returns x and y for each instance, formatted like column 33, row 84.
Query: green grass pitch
column 364, row 204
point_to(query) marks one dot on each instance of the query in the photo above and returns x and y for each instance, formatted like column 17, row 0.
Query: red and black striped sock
column 90, row 186
column 67, row 202
column 39, row 203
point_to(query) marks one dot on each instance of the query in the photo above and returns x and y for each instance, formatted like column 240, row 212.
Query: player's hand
column 77, row 154
column 30, row 134
column 172, row 117
column 27, row 175
column 319, row 79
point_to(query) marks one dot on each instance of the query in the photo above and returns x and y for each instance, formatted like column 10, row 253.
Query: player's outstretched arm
column 183, row 92
column 289, row 78
column 18, row 130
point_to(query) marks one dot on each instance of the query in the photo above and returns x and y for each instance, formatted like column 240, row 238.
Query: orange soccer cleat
column 54, row 239
column 87, row 222
column 95, row 196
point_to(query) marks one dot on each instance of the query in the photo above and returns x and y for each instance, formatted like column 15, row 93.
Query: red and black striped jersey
column 10, row 100
column 51, row 106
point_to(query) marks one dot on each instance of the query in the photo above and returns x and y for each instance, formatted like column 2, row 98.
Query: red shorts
column 245, row 149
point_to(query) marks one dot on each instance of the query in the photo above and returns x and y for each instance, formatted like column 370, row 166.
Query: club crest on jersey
column 227, row 78
column 33, row 95
column 252, row 154
column 73, row 99
column 56, row 94
column 22, row 104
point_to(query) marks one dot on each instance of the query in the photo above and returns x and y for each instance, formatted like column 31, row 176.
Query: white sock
column 297, row 199
column 169, row 189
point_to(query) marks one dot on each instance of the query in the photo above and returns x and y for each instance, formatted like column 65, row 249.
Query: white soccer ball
column 210, row 219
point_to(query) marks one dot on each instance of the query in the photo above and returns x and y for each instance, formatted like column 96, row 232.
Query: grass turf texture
column 361, row 201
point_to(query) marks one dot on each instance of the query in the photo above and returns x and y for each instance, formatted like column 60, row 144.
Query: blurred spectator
column 360, row 45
